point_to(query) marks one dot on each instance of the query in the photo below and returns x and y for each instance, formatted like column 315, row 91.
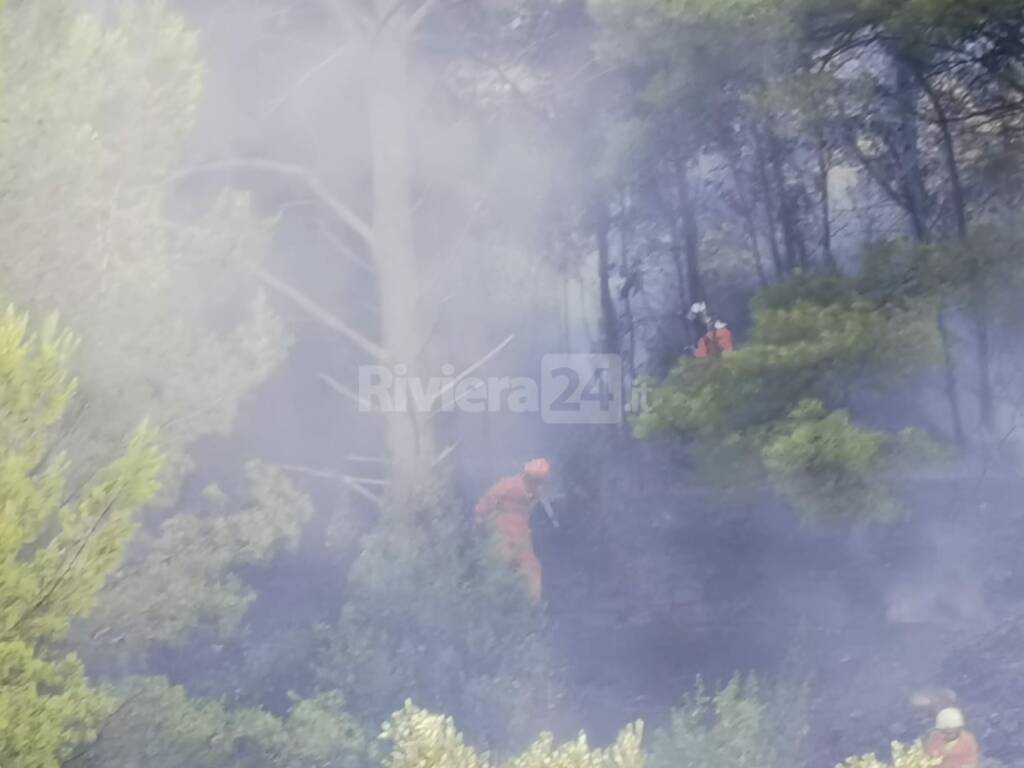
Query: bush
column 782, row 398
column 741, row 726
column 421, row 739
column 432, row 612
column 164, row 726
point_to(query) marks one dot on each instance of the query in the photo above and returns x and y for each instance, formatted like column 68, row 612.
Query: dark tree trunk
column 826, row 210
column 909, row 191
column 784, row 206
column 669, row 205
column 801, row 249
column 677, row 261
column 755, row 248
column 916, row 205
column 908, row 154
column 748, row 211
column 959, row 202
column 766, row 195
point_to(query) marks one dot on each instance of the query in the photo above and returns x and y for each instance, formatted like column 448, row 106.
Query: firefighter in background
column 715, row 342
column 951, row 742
column 717, row 339
column 507, row 508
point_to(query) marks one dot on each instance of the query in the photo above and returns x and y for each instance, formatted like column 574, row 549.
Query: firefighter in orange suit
column 717, row 339
column 716, row 342
column 507, row 508
column 951, row 742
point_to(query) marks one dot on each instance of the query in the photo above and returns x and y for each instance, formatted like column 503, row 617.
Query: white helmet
column 720, row 325
column 949, row 719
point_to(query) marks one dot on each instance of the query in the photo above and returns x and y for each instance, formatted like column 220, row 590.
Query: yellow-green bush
column 421, row 739
column 432, row 613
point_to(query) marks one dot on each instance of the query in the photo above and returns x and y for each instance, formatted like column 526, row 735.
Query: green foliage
column 185, row 580
column 36, row 385
column 779, row 396
column 805, row 351
column 741, row 726
column 815, row 441
column 625, row 752
column 421, row 739
column 57, row 548
column 320, row 732
column 901, row 270
column 173, row 730
column 817, row 290
column 946, row 17
column 96, row 115
column 982, row 274
column 894, row 269
column 827, row 464
column 671, row 61
column 47, row 707
column 431, row 611
column 167, row 727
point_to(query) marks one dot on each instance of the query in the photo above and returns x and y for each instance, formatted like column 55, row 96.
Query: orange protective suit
column 714, row 343
column 961, row 753
column 507, row 507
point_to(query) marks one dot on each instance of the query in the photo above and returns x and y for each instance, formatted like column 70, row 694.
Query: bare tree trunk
column 409, row 438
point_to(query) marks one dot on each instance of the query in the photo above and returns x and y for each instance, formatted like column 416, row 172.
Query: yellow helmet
column 949, row 719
